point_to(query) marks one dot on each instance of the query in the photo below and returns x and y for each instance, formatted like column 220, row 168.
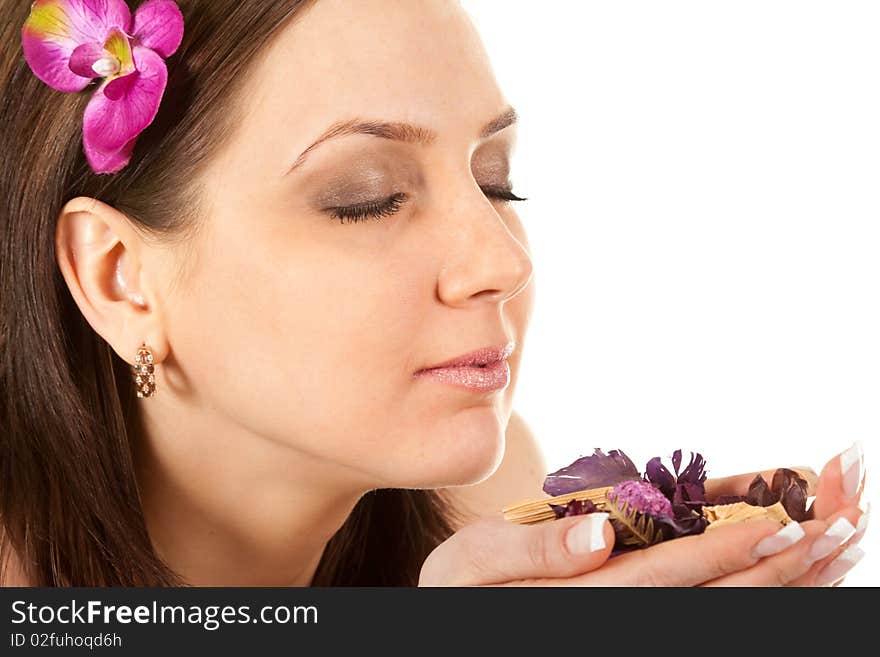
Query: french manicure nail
column 785, row 537
column 587, row 535
column 840, row 566
column 836, row 535
column 862, row 525
column 852, row 469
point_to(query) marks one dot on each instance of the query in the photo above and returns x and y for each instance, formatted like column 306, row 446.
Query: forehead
column 399, row 60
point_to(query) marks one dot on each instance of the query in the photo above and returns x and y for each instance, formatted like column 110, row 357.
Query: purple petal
column 695, row 472
column 676, row 461
column 686, row 490
column 96, row 18
column 573, row 508
column 158, row 25
column 48, row 61
column 54, row 29
column 108, row 125
column 688, row 498
column 119, row 87
column 110, row 162
column 83, row 58
column 691, row 493
column 657, row 474
column 641, row 496
column 594, row 471
column 677, row 527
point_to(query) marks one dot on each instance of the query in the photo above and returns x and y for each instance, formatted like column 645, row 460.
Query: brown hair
column 69, row 502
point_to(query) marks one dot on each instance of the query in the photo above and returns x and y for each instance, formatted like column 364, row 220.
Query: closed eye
column 386, row 207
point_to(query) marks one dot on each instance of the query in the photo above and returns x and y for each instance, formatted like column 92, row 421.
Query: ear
column 100, row 257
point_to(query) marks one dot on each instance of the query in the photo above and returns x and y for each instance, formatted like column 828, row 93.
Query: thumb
column 495, row 551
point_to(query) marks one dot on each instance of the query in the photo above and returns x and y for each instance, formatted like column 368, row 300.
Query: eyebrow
column 397, row 131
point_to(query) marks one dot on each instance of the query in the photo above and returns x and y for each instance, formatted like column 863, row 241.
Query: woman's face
column 306, row 330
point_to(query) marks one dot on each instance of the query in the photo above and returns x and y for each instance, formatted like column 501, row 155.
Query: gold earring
column 144, row 372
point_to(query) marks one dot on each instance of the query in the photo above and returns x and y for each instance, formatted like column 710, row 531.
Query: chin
column 461, row 450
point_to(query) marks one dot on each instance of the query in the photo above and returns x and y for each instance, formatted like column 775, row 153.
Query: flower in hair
column 69, row 43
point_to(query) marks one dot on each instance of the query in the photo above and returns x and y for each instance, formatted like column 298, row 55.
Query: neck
column 224, row 507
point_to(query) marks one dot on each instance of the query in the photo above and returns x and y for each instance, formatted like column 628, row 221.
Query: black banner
column 147, row 620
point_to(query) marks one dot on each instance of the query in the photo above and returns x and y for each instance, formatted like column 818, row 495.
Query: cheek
column 312, row 349
column 316, row 349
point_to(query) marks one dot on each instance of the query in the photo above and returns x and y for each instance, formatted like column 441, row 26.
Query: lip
column 489, row 379
column 484, row 356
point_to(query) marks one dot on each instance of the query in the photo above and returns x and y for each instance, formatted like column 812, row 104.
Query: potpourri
column 661, row 504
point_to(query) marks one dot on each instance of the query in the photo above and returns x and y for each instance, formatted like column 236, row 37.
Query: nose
column 485, row 261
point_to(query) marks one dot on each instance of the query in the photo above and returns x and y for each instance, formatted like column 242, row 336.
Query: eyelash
column 392, row 204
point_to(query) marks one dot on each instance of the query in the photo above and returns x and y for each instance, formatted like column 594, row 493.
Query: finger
column 835, row 571
column 822, row 573
column 799, row 564
column 781, row 568
column 494, row 551
column 739, row 484
column 840, row 482
column 862, row 525
column 692, row 560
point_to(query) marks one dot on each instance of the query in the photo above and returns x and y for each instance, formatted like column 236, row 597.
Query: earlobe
column 97, row 252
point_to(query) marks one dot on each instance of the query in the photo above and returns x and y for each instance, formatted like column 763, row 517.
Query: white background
column 704, row 198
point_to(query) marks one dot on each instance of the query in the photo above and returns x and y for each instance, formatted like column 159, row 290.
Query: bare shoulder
column 519, row 476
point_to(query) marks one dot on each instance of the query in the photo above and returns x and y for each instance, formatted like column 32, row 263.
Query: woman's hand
column 494, row 551
column 838, row 495
column 574, row 551
column 751, row 553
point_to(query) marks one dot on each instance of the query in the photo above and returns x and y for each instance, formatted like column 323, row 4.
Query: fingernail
column 862, row 525
column 785, row 537
column 840, row 566
column 836, row 535
column 852, row 469
column 588, row 535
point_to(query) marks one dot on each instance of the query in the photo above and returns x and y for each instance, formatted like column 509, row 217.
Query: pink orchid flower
column 68, row 43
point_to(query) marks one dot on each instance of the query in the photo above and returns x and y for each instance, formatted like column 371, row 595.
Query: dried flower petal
column 728, row 514
column 573, row 508
column 686, row 525
column 685, row 489
column 636, row 528
column 595, row 471
column 792, row 491
column 788, row 488
column 632, row 529
column 657, row 474
column 759, row 493
column 695, row 472
column 642, row 496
